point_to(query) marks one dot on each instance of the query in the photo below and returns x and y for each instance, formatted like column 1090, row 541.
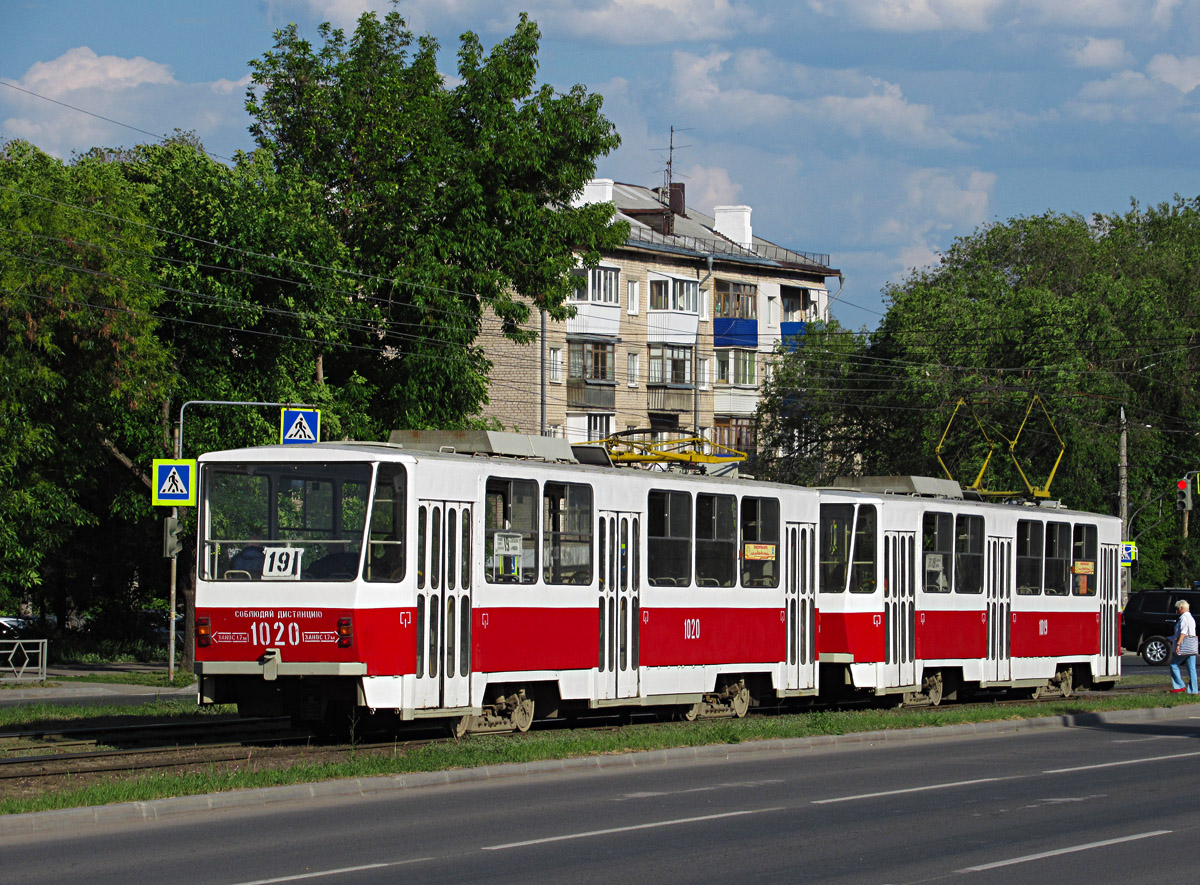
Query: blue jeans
column 1177, row 679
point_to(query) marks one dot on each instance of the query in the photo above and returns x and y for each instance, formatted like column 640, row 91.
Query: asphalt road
column 1100, row 803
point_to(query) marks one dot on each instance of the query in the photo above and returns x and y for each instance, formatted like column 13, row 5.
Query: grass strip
column 480, row 750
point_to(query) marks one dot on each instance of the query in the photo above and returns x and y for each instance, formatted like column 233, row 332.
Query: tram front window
column 283, row 522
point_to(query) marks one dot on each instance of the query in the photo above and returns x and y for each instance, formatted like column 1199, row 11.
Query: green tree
column 82, row 365
column 447, row 200
column 1090, row 316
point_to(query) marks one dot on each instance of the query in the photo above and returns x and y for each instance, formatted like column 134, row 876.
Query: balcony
column 583, row 394
column 672, row 327
column 661, row 398
column 730, row 332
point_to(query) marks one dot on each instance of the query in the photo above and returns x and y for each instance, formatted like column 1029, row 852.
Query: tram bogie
column 487, row 591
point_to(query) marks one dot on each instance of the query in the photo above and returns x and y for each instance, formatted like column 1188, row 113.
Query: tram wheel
column 522, row 716
column 692, row 713
column 933, row 689
column 1066, row 681
column 740, row 703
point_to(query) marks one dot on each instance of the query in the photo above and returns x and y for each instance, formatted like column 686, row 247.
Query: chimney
column 734, row 222
column 598, row 190
column 677, row 202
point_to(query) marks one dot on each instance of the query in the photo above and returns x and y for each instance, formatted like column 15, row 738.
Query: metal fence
column 23, row 659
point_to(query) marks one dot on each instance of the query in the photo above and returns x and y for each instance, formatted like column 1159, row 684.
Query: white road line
column 1122, row 762
column 982, row 780
column 299, row 877
column 629, row 829
column 1074, row 848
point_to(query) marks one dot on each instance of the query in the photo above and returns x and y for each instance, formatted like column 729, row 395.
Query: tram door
column 800, row 581
column 899, row 602
column 443, row 604
column 999, row 610
column 619, row 609
column 1110, row 606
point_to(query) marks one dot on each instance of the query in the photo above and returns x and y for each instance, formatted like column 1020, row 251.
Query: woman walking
column 1185, row 645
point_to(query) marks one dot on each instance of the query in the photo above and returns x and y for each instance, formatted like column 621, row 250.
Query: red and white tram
column 493, row 576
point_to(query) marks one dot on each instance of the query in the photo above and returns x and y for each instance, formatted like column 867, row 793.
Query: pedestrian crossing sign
column 299, row 426
column 173, row 483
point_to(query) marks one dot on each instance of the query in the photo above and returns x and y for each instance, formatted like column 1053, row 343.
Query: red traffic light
column 1181, row 484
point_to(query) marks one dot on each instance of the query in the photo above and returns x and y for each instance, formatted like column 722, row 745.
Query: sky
column 877, row 131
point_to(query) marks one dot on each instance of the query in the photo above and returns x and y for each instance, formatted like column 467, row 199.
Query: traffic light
column 1183, row 494
column 172, row 543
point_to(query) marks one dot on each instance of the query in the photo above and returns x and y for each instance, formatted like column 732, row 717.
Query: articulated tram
column 490, row 578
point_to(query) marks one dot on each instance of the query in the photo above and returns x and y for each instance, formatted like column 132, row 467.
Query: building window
column 678, row 295
column 592, row 360
column 660, row 294
column 722, row 357
column 598, row 285
column 702, row 373
column 634, row 368
column 599, row 427
column 735, row 300
column 744, row 367
column 634, row 294
column 554, row 368
column 799, row 305
column 735, row 433
column 670, row 364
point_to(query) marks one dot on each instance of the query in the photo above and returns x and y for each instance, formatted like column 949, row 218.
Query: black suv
column 1149, row 620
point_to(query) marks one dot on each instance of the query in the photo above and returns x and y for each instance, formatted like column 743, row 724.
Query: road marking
column 982, row 780
column 299, row 877
column 629, row 829
column 1074, row 848
column 1122, row 762
column 1160, row 737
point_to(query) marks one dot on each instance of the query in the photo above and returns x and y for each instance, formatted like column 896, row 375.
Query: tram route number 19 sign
column 299, row 426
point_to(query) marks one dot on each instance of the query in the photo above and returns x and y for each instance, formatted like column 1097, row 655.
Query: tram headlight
column 203, row 633
column 345, row 633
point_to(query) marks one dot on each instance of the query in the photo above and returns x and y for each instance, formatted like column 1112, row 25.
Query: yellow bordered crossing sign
column 299, row 426
column 174, row 482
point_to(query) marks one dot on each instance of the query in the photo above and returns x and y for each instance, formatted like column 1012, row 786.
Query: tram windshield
column 283, row 522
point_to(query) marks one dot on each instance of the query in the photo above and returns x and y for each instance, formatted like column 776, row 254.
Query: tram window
column 837, row 535
column 968, row 554
column 422, row 518
column 466, row 551
column 1083, row 578
column 1029, row 558
column 760, row 542
column 385, row 561
column 316, row 511
column 1058, row 558
column 716, row 540
column 937, row 545
column 510, row 531
column 567, row 533
column 862, row 576
column 669, row 537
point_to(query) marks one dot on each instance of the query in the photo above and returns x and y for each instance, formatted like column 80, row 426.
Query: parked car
column 13, row 627
column 1149, row 620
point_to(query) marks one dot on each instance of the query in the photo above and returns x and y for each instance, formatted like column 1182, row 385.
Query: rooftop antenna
column 664, row 195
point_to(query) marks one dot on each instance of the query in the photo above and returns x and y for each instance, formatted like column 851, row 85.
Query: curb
column 45, row 822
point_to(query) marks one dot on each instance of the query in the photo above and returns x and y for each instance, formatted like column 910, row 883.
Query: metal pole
column 175, row 510
column 543, row 374
column 1123, row 489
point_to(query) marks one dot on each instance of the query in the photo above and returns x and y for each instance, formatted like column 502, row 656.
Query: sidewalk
column 14, row 691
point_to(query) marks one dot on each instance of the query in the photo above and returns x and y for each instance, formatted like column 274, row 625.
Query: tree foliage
column 448, row 200
column 1090, row 316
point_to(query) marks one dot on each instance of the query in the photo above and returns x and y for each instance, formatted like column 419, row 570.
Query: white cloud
column 1096, row 53
column 984, row 15
column 1182, row 73
column 1125, row 97
column 709, row 186
column 82, row 69
column 85, row 88
column 713, row 85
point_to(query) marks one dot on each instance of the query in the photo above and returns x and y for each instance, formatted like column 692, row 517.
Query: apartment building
column 674, row 332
